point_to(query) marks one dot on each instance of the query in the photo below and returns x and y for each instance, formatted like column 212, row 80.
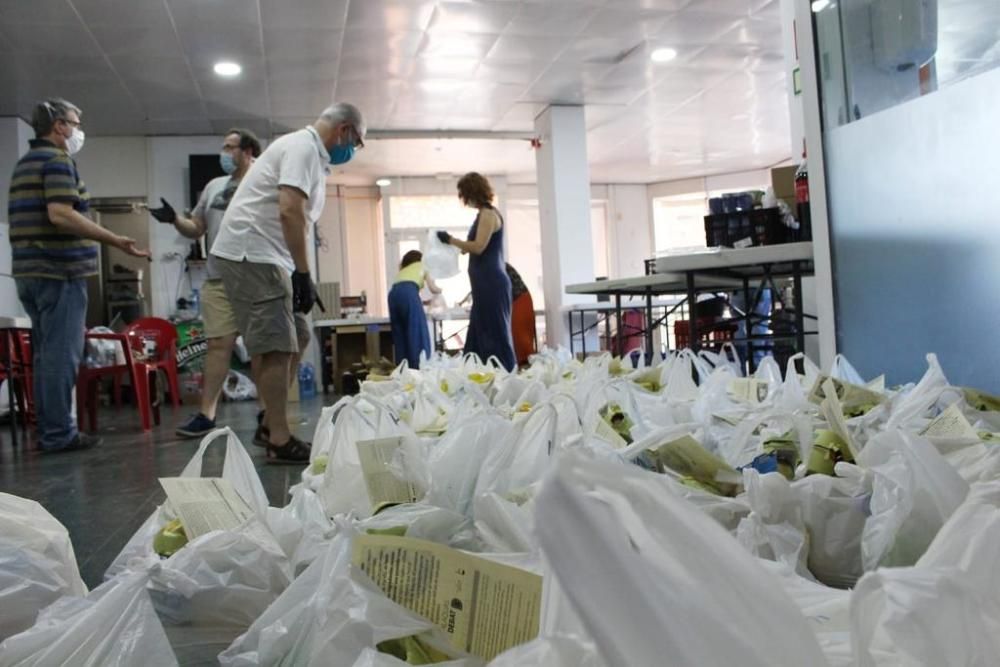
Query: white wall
column 365, row 244
column 14, row 136
column 733, row 181
column 114, row 166
column 630, row 225
column 630, row 230
column 330, row 257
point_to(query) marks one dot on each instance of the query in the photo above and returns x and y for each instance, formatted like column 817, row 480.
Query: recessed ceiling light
column 663, row 55
column 383, row 182
column 227, row 68
column 820, row 5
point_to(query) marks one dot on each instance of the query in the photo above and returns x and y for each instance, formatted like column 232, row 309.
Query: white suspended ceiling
column 145, row 67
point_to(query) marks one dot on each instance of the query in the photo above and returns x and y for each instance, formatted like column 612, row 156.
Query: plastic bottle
column 196, row 301
column 802, row 200
column 307, row 381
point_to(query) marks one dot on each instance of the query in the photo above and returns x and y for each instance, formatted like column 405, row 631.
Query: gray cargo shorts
column 261, row 296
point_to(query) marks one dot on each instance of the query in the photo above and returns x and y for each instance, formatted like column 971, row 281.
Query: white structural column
column 806, row 129
column 564, row 212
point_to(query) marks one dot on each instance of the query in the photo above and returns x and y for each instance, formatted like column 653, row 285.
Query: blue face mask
column 341, row 153
column 227, row 163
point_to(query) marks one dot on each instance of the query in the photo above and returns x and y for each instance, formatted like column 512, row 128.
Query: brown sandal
column 294, row 451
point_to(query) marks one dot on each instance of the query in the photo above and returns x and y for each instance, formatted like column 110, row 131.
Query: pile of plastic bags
column 621, row 515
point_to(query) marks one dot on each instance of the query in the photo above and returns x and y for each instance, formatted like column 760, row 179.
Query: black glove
column 165, row 213
column 444, row 237
column 303, row 292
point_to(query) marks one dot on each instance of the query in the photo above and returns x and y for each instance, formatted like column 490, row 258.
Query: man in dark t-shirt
column 53, row 251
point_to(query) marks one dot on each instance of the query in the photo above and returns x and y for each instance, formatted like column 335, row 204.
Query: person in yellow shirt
column 410, row 335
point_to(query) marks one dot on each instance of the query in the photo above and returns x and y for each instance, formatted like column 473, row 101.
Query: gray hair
column 342, row 112
column 47, row 112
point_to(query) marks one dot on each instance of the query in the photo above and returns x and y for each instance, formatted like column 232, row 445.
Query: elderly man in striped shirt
column 54, row 250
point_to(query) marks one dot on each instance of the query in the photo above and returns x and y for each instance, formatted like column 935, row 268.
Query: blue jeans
column 58, row 311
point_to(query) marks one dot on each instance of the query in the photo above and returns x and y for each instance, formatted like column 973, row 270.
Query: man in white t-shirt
column 239, row 149
column 262, row 254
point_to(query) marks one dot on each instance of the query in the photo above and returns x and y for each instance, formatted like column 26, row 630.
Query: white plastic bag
column 551, row 651
column 673, row 586
column 844, row 371
column 914, row 492
column 330, row 615
column 521, row 459
column 456, row 460
column 727, row 357
column 113, row 626
column 101, row 352
column 907, row 409
column 946, row 609
column 343, row 486
column 834, row 511
column 440, row 259
column 827, row 609
column 505, row 525
column 301, row 527
column 237, row 468
column 774, row 530
column 222, row 579
column 239, row 387
column 426, row 522
column 795, row 388
column 37, row 564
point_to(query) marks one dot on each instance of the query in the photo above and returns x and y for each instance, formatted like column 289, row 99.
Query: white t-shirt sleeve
column 202, row 205
column 297, row 166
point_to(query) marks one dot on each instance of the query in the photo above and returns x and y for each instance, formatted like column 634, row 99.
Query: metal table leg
column 583, row 333
column 800, row 324
column 694, row 343
column 618, row 320
column 607, row 330
column 748, row 310
column 649, row 325
column 572, row 348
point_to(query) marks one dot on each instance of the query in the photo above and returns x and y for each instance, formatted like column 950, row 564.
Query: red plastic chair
column 18, row 367
column 137, row 366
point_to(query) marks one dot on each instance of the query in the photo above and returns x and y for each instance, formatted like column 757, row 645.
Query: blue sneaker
column 196, row 427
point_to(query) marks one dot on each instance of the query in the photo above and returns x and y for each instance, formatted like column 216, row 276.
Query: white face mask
column 75, row 141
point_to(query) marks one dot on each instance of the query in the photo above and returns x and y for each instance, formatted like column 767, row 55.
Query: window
column 599, row 237
column 524, row 246
column 429, row 212
column 875, row 55
column 679, row 222
column 410, row 220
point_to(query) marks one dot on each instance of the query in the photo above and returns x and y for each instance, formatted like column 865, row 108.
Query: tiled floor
column 103, row 495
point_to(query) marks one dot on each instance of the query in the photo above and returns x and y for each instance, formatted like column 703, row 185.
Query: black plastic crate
column 761, row 226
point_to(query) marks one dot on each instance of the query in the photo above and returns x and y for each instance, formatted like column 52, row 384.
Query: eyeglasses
column 358, row 143
column 74, row 123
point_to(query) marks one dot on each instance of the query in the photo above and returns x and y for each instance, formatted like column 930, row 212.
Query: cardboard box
column 783, row 183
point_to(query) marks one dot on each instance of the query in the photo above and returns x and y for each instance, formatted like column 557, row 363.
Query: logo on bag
column 192, row 350
column 456, row 606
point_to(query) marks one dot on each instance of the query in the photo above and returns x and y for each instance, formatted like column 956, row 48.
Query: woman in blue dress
column 489, row 322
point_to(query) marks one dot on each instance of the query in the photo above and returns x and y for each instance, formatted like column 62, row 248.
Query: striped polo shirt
column 39, row 249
